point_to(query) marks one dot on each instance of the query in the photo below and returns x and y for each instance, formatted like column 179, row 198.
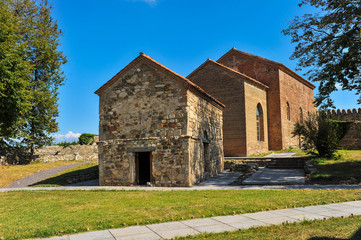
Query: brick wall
column 299, row 96
column 267, row 74
column 254, row 96
column 229, row 89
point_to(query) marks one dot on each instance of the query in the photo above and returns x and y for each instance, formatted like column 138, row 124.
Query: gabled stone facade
column 156, row 127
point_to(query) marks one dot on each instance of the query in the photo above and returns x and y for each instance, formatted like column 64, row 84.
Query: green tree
column 14, row 76
column 86, row 138
column 329, row 44
column 41, row 36
column 319, row 133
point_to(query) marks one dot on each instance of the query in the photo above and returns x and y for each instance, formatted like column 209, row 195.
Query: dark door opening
column 206, row 157
column 143, row 167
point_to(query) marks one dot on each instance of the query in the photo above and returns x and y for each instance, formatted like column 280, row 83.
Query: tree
column 329, row 42
column 14, row 76
column 319, row 133
column 41, row 38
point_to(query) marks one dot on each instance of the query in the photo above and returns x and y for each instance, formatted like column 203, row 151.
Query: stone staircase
column 287, row 163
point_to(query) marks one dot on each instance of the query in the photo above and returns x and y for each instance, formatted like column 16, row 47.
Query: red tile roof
column 144, row 57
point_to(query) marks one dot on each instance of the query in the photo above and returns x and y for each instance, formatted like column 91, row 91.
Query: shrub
column 86, row 138
column 67, row 144
column 319, row 133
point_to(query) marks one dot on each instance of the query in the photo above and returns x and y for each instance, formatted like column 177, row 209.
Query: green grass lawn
column 60, row 178
column 11, row 173
column 26, row 214
column 346, row 170
column 331, row 229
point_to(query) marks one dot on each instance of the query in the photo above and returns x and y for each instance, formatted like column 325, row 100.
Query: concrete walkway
column 221, row 224
column 284, row 154
column 39, row 176
column 144, row 188
column 266, row 176
column 221, row 180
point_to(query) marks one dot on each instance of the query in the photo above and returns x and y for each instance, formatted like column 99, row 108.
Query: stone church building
column 157, row 127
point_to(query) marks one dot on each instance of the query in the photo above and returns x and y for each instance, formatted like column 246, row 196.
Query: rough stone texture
column 241, row 95
column 352, row 139
column 72, row 152
column 148, row 108
column 54, row 153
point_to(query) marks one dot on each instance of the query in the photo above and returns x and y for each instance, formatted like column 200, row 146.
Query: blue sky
column 102, row 37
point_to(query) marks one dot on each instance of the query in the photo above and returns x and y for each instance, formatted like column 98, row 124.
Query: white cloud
column 338, row 86
column 69, row 137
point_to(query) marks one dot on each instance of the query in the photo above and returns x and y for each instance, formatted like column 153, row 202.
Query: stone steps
column 287, row 163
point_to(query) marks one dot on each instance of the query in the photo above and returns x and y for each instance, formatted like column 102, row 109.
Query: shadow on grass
column 61, row 180
column 338, row 173
column 355, row 236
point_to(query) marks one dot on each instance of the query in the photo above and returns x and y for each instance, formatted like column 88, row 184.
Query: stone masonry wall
column 73, row 152
column 204, row 126
column 144, row 111
column 87, row 153
column 352, row 139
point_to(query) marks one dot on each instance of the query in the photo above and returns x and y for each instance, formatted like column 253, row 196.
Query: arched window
column 301, row 115
column 259, row 121
column 288, row 111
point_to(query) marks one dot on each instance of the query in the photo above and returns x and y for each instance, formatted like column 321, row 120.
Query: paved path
column 37, row 177
column 143, row 188
column 221, row 224
column 221, row 180
column 284, row 154
column 266, row 176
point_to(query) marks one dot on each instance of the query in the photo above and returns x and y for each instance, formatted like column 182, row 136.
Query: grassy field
column 14, row 172
column 60, row 178
column 49, row 213
column 331, row 229
column 346, row 170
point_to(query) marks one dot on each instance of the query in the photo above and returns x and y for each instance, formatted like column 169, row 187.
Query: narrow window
column 206, row 154
column 259, row 123
column 288, row 112
column 301, row 115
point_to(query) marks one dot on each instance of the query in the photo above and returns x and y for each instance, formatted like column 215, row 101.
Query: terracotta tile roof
column 274, row 63
column 145, row 57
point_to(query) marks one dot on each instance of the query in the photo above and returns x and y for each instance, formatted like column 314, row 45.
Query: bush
column 67, row 144
column 86, row 138
column 319, row 133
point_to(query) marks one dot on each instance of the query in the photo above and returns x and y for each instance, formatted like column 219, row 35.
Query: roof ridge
column 280, row 66
column 239, row 73
column 144, row 56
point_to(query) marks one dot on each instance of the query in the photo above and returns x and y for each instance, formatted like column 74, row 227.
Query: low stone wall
column 73, row 152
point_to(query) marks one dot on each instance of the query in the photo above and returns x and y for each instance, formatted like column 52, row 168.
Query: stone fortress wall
column 87, row 153
column 352, row 139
